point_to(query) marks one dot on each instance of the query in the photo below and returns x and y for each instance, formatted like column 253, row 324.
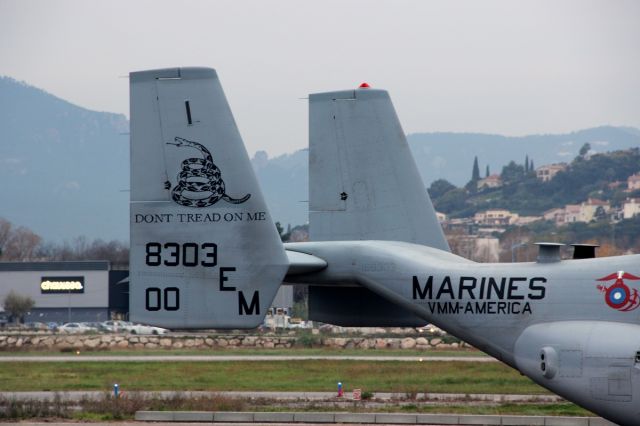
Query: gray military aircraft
column 205, row 252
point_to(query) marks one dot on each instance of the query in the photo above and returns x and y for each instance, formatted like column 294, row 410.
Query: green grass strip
column 309, row 375
column 253, row 351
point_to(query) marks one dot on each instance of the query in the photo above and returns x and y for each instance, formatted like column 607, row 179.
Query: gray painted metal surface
column 571, row 326
column 204, row 249
column 363, row 181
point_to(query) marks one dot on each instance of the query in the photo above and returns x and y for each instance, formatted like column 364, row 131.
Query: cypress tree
column 487, row 172
column 475, row 174
column 472, row 185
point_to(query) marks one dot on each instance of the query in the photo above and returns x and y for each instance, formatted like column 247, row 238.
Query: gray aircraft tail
column 204, row 250
column 363, row 181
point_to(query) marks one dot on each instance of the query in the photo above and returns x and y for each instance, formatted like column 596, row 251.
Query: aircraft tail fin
column 363, row 180
column 204, row 250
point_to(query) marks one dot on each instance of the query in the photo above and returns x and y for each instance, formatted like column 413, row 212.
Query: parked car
column 146, row 329
column 117, row 326
column 74, row 327
column 92, row 326
column 98, row 326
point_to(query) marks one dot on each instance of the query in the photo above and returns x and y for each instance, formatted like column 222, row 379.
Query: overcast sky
column 508, row 67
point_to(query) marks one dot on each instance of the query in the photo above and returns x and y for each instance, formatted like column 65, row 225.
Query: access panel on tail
column 204, row 250
column 363, row 180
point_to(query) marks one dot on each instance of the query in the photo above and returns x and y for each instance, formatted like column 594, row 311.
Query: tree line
column 21, row 244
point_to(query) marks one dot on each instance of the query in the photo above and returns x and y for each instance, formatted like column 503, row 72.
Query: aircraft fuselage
column 554, row 321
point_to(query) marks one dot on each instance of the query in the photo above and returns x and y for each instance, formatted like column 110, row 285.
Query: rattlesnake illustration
column 202, row 177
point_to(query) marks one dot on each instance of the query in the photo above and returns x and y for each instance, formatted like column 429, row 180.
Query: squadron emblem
column 618, row 295
column 200, row 182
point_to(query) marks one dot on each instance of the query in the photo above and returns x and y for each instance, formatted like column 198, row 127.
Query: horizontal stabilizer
column 302, row 263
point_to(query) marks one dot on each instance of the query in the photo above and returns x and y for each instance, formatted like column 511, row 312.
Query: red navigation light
column 364, row 85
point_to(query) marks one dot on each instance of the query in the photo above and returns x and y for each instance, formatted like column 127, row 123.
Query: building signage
column 49, row 285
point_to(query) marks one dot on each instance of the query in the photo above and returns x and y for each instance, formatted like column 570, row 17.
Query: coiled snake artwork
column 199, row 175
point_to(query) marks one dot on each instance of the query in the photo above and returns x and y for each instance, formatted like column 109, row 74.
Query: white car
column 74, row 327
column 117, row 326
column 146, row 329
column 129, row 327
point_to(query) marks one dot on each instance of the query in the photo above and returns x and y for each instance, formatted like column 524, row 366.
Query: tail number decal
column 156, row 299
column 191, row 255
column 187, row 254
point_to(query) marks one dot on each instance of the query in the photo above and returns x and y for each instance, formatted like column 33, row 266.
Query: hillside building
column 547, row 172
column 631, row 208
column 572, row 213
column 493, row 181
column 495, row 217
column 475, row 247
column 584, row 212
column 556, row 215
column 633, row 182
column 589, row 209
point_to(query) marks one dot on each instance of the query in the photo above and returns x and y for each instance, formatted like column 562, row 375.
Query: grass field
column 304, row 375
column 253, row 351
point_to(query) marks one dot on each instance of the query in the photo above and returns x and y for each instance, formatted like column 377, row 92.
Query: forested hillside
column 586, row 176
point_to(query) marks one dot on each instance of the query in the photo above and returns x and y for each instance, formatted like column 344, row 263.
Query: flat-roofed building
column 62, row 291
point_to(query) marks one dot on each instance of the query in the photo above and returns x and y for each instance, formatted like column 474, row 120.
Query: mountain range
column 65, row 169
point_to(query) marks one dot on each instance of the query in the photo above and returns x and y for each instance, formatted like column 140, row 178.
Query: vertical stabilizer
column 363, row 181
column 204, row 250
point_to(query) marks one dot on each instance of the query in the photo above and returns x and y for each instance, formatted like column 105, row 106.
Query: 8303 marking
column 187, row 254
column 191, row 255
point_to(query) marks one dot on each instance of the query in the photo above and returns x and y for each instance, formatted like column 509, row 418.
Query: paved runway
column 220, row 358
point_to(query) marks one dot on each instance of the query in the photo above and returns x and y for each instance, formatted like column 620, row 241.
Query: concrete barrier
column 479, row 420
column 314, row 417
column 154, row 416
column 437, row 419
column 566, row 421
column 273, row 417
column 233, row 417
column 396, row 418
column 364, row 418
column 355, row 418
column 599, row 421
column 193, row 416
